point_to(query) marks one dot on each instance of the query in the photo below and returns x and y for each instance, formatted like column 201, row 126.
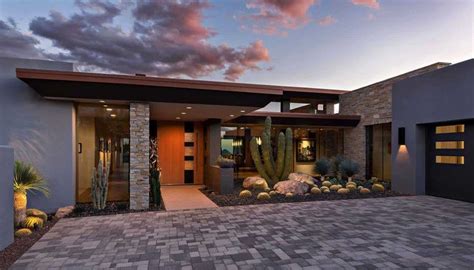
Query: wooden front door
column 171, row 152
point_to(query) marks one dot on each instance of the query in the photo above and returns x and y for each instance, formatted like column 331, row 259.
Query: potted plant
column 25, row 179
column 322, row 167
column 349, row 168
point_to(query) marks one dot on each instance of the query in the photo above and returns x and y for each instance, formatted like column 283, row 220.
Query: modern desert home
column 65, row 121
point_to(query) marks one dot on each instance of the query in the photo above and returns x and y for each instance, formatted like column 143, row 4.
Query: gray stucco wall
column 443, row 95
column 6, row 196
column 41, row 132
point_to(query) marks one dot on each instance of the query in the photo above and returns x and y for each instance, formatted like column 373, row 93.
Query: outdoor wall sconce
column 401, row 136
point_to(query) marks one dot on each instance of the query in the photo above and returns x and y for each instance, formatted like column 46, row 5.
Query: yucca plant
column 26, row 179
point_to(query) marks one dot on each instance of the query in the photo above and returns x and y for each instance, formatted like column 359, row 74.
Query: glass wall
column 379, row 163
column 103, row 135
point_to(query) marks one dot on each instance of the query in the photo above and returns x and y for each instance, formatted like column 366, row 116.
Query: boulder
column 315, row 190
column 302, row 177
column 64, row 211
column 364, row 190
column 291, row 186
column 343, row 191
column 245, row 194
column 263, row 196
column 378, row 188
column 249, row 181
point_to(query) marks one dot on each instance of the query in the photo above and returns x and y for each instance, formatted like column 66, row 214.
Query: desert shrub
column 349, row 167
column 322, row 167
column 33, row 222
column 335, row 166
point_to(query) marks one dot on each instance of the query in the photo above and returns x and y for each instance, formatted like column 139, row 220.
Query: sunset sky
column 341, row 44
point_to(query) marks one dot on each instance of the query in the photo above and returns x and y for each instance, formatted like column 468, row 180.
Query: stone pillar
column 6, row 196
column 139, row 155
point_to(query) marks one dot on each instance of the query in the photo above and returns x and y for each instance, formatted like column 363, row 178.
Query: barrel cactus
column 100, row 185
column 273, row 170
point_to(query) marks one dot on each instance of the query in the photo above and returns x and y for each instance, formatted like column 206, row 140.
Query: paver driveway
column 421, row 232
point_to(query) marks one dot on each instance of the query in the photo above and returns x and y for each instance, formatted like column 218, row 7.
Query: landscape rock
column 23, row 232
column 249, row 181
column 245, row 194
column 334, row 187
column 364, row 190
column 273, row 193
column 327, row 184
column 261, row 184
column 289, row 195
column 302, row 177
column 343, row 191
column 378, row 188
column 64, row 211
column 263, row 196
column 291, row 186
column 315, row 190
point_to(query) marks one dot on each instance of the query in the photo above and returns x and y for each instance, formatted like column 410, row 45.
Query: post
column 6, row 196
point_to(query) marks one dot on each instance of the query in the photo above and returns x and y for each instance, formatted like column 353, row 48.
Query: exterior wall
column 212, row 147
column 6, row 196
column 440, row 96
column 41, row 132
column 139, row 155
column 374, row 104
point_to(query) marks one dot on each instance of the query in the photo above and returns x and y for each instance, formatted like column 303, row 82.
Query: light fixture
column 189, row 108
column 105, row 105
column 401, row 136
column 231, row 115
column 102, row 101
column 109, row 109
column 113, row 115
column 259, row 140
column 183, row 113
column 242, row 111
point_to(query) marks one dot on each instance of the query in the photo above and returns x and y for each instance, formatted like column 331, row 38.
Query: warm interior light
column 102, row 101
column 242, row 111
column 189, row 107
column 183, row 113
column 177, row 117
column 231, row 115
column 113, row 115
column 105, row 105
column 109, row 109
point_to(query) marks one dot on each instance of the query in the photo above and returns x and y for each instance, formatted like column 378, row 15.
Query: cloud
column 368, row 3
column 274, row 17
column 168, row 38
column 16, row 44
column 326, row 21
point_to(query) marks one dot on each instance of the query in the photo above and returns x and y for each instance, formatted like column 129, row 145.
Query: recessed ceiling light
column 183, row 113
column 113, row 115
column 102, row 101
column 105, row 105
column 109, row 109
column 231, row 115
column 177, row 117
column 242, row 111
column 189, row 107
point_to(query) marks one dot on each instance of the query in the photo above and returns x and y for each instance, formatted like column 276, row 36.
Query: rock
column 23, row 232
column 327, row 184
column 364, row 190
column 261, row 184
column 263, row 196
column 343, row 191
column 325, row 188
column 378, row 188
column 351, row 186
column 245, row 194
column 64, row 211
column 273, row 193
column 334, row 187
column 249, row 181
column 32, row 212
column 315, row 190
column 302, row 177
column 293, row 186
column 289, row 195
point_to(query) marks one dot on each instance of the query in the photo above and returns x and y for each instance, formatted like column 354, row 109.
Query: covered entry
column 450, row 160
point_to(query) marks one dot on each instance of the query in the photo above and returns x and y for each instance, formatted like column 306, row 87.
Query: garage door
column 450, row 161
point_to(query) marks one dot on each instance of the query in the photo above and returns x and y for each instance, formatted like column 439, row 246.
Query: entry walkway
column 185, row 197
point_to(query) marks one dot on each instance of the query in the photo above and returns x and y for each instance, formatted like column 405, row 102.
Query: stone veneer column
column 139, row 155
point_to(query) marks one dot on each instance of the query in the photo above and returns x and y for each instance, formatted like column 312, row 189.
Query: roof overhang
column 68, row 85
column 298, row 119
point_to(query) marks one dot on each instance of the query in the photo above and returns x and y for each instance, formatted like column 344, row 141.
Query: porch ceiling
column 298, row 119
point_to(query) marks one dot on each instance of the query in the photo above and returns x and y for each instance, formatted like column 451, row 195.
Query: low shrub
column 33, row 222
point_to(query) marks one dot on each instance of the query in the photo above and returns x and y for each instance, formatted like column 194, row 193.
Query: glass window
column 450, row 159
column 450, row 129
column 380, row 144
column 103, row 135
column 450, row 145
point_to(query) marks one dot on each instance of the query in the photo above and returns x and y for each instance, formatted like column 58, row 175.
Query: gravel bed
column 114, row 208
column 21, row 244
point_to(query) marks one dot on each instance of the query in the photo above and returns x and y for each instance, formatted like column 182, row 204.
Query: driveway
column 398, row 232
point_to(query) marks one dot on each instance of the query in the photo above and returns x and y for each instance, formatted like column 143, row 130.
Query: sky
column 337, row 44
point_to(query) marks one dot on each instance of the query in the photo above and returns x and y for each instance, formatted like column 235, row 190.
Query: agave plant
column 26, row 179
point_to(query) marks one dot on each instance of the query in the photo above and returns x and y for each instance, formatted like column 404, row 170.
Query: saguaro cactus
column 273, row 171
column 100, row 185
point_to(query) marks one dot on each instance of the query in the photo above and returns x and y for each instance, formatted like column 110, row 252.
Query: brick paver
column 387, row 233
